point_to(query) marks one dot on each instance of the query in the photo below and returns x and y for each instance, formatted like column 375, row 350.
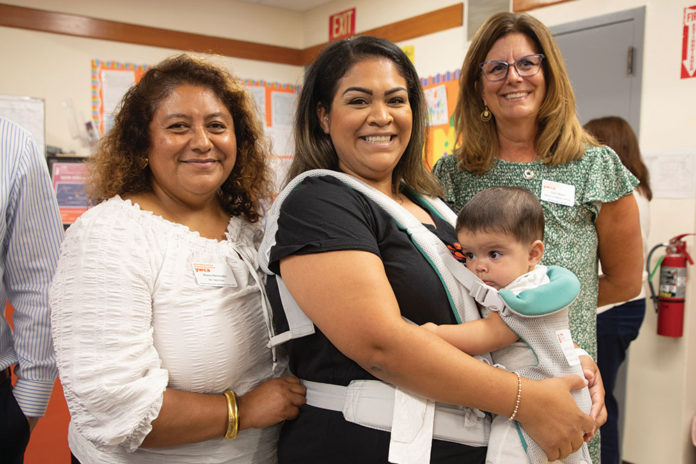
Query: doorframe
column 638, row 16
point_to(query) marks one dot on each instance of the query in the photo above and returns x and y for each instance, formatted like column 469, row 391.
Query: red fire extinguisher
column 669, row 303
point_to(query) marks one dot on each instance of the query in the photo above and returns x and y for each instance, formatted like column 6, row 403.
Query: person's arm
column 620, row 251
column 476, row 337
column 193, row 417
column 348, row 296
column 33, row 238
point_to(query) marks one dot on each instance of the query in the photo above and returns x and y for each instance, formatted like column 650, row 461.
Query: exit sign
column 342, row 25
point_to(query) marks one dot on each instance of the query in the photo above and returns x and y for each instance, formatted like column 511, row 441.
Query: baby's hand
column 430, row 326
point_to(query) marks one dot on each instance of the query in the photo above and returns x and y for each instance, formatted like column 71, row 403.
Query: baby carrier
column 412, row 420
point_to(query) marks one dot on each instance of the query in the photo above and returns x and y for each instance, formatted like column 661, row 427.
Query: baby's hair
column 513, row 211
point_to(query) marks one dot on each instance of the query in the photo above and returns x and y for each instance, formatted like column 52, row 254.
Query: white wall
column 661, row 371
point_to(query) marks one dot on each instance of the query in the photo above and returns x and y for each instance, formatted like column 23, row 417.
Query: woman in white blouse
column 160, row 321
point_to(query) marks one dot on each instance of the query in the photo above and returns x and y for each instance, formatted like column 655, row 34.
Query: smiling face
column 497, row 258
column 370, row 120
column 192, row 145
column 514, row 98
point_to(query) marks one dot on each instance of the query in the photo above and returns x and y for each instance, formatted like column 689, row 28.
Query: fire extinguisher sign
column 688, row 65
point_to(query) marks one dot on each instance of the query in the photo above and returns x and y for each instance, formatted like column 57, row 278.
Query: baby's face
column 496, row 258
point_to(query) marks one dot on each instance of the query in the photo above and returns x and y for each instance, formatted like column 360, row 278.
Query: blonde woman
column 516, row 125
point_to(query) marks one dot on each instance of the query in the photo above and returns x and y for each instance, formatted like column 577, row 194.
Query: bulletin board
column 276, row 104
column 441, row 92
column 110, row 81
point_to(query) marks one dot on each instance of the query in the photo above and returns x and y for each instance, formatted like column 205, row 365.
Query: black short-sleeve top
column 323, row 214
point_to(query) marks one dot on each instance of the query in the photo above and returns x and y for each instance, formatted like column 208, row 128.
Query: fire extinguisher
column 669, row 303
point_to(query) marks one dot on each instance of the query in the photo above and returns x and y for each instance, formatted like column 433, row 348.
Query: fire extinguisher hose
column 651, row 273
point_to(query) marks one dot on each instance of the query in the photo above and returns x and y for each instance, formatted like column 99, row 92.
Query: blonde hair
column 560, row 139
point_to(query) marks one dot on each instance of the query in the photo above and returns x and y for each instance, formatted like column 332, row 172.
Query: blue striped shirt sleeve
column 31, row 231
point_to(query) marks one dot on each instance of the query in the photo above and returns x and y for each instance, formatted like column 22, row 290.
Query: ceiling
column 295, row 5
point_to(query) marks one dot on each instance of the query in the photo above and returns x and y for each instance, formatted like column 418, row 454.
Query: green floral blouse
column 570, row 237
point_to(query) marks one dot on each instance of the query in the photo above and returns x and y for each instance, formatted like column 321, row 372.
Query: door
column 604, row 58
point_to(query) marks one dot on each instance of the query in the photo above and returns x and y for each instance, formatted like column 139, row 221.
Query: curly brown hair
column 117, row 168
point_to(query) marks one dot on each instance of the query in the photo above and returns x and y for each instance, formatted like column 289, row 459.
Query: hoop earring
column 486, row 114
column 144, row 162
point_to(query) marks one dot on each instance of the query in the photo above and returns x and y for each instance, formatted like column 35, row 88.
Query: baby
column 500, row 231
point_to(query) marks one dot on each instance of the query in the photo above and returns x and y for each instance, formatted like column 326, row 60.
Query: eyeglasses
column 497, row 70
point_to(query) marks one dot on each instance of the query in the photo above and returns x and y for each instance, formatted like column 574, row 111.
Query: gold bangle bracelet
column 232, row 415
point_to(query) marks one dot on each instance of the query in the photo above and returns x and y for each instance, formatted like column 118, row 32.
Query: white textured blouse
column 133, row 314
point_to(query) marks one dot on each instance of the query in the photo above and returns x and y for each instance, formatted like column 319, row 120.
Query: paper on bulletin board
column 276, row 105
column 29, row 113
column 284, row 105
column 110, row 81
column 672, row 175
column 441, row 92
column 259, row 94
column 436, row 97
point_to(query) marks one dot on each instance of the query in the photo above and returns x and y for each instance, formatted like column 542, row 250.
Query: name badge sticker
column 567, row 346
column 213, row 275
column 557, row 192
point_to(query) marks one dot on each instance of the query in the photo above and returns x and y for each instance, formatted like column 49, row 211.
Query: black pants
column 323, row 436
column 14, row 427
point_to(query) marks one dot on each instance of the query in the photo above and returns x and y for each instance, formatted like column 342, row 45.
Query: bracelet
column 519, row 395
column 232, row 415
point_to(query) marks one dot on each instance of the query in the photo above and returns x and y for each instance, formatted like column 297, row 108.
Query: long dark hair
column 313, row 147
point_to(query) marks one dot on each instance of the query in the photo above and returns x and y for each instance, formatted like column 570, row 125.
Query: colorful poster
column 69, row 177
column 441, row 92
column 437, row 105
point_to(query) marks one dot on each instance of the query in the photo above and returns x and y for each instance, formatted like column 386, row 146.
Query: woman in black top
column 357, row 275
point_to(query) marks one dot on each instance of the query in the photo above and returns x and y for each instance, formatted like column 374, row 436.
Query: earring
column 144, row 162
column 486, row 114
column 326, row 118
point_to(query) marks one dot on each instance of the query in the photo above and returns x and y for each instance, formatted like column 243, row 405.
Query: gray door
column 604, row 58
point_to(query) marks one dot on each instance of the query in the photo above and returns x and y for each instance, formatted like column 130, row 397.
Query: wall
column 57, row 68
column 661, row 371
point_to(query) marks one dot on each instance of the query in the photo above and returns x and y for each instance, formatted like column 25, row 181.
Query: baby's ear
column 536, row 251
